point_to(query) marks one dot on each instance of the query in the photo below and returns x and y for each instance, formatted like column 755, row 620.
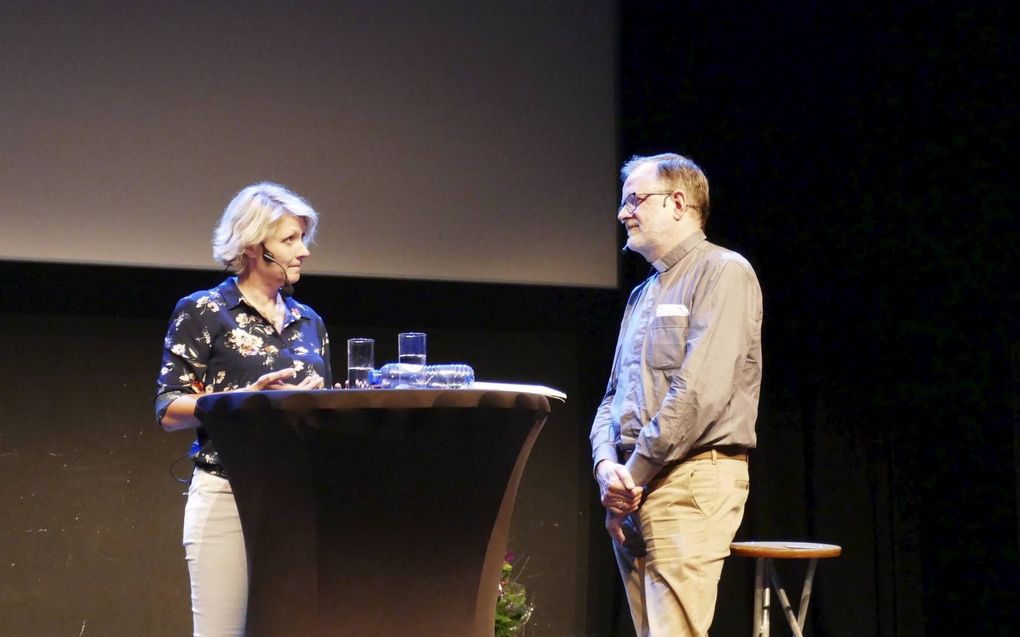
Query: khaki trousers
column 685, row 525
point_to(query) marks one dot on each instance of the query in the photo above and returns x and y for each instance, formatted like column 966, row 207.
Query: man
column 670, row 439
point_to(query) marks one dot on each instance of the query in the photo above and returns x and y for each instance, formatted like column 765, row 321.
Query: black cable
column 174, row 464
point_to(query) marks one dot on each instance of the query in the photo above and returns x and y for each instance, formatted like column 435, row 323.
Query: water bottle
column 394, row 375
column 450, row 376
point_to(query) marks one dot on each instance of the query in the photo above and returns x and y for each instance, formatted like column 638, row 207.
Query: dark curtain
column 858, row 159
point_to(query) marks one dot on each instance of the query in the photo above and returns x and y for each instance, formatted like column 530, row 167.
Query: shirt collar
column 230, row 292
column 684, row 248
column 232, row 296
column 293, row 311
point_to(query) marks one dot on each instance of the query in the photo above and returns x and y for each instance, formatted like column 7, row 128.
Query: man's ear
column 680, row 204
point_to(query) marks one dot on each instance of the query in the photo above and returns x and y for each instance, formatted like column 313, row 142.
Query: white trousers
column 217, row 563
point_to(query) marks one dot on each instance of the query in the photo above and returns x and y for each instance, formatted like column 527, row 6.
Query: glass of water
column 411, row 349
column 360, row 361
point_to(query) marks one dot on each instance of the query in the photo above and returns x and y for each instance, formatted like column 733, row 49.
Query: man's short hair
column 677, row 172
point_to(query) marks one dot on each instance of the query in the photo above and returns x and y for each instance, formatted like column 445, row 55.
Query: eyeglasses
column 635, row 199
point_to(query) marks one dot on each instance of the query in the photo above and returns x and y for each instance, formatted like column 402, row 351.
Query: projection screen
column 438, row 140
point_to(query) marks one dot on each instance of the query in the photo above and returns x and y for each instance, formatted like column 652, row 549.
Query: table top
column 344, row 399
column 785, row 550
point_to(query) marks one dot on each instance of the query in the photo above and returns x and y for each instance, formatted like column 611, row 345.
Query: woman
column 242, row 335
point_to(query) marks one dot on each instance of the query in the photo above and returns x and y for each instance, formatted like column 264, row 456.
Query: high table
column 374, row 512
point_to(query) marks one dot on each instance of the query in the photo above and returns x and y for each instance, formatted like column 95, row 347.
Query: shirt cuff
column 641, row 469
column 603, row 452
column 163, row 403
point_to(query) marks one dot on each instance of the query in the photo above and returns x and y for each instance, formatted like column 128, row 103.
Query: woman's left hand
column 310, row 382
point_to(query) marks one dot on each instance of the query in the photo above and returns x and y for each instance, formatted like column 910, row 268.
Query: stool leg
column 759, row 587
column 805, row 595
column 784, row 601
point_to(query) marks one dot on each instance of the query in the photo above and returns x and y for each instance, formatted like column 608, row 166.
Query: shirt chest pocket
column 667, row 341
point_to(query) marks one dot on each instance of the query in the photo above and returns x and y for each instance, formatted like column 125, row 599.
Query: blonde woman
column 244, row 334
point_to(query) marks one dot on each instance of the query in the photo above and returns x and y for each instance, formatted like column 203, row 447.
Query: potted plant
column 513, row 609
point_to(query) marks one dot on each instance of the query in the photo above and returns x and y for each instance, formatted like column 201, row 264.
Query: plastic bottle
column 394, row 375
column 449, row 376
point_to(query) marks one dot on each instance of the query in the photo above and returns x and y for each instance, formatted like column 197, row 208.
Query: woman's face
column 286, row 243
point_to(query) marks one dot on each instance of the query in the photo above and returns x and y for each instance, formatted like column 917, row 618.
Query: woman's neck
column 255, row 290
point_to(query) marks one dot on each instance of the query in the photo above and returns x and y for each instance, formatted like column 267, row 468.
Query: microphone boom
column 287, row 289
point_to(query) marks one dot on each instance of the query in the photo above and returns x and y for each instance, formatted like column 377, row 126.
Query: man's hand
column 619, row 494
column 627, row 537
column 614, row 524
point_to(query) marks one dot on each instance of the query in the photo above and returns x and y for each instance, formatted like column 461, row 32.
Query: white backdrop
column 438, row 140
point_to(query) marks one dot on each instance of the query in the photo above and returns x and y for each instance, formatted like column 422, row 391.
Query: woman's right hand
column 272, row 380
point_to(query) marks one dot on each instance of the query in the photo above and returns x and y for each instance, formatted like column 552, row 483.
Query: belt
column 208, row 467
column 726, row 452
column 729, row 452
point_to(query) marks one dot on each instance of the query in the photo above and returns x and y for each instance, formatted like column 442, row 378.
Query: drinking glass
column 411, row 349
column 360, row 361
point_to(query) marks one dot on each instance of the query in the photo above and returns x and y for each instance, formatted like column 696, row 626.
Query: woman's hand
column 266, row 381
column 275, row 380
column 310, row 382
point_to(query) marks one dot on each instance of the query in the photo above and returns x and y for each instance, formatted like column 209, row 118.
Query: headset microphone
column 287, row 289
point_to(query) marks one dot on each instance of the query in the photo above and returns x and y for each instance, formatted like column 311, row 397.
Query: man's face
column 651, row 226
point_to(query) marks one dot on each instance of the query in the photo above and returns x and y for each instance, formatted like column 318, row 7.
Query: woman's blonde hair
column 250, row 218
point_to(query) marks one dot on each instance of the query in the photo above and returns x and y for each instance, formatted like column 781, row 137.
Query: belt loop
column 715, row 456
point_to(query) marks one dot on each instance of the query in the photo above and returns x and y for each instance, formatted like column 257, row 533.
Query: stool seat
column 785, row 550
column 764, row 553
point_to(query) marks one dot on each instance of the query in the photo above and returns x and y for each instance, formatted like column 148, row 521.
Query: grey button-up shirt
column 687, row 371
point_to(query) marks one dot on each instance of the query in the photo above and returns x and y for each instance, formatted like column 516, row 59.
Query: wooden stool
column 764, row 553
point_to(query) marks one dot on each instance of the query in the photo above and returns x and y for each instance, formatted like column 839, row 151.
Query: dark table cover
column 374, row 512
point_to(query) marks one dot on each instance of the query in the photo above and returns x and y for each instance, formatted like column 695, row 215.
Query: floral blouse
column 217, row 342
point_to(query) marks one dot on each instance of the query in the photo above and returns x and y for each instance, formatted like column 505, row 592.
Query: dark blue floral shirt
column 217, row 342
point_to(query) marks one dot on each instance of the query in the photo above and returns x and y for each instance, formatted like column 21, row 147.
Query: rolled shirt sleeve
column 185, row 352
